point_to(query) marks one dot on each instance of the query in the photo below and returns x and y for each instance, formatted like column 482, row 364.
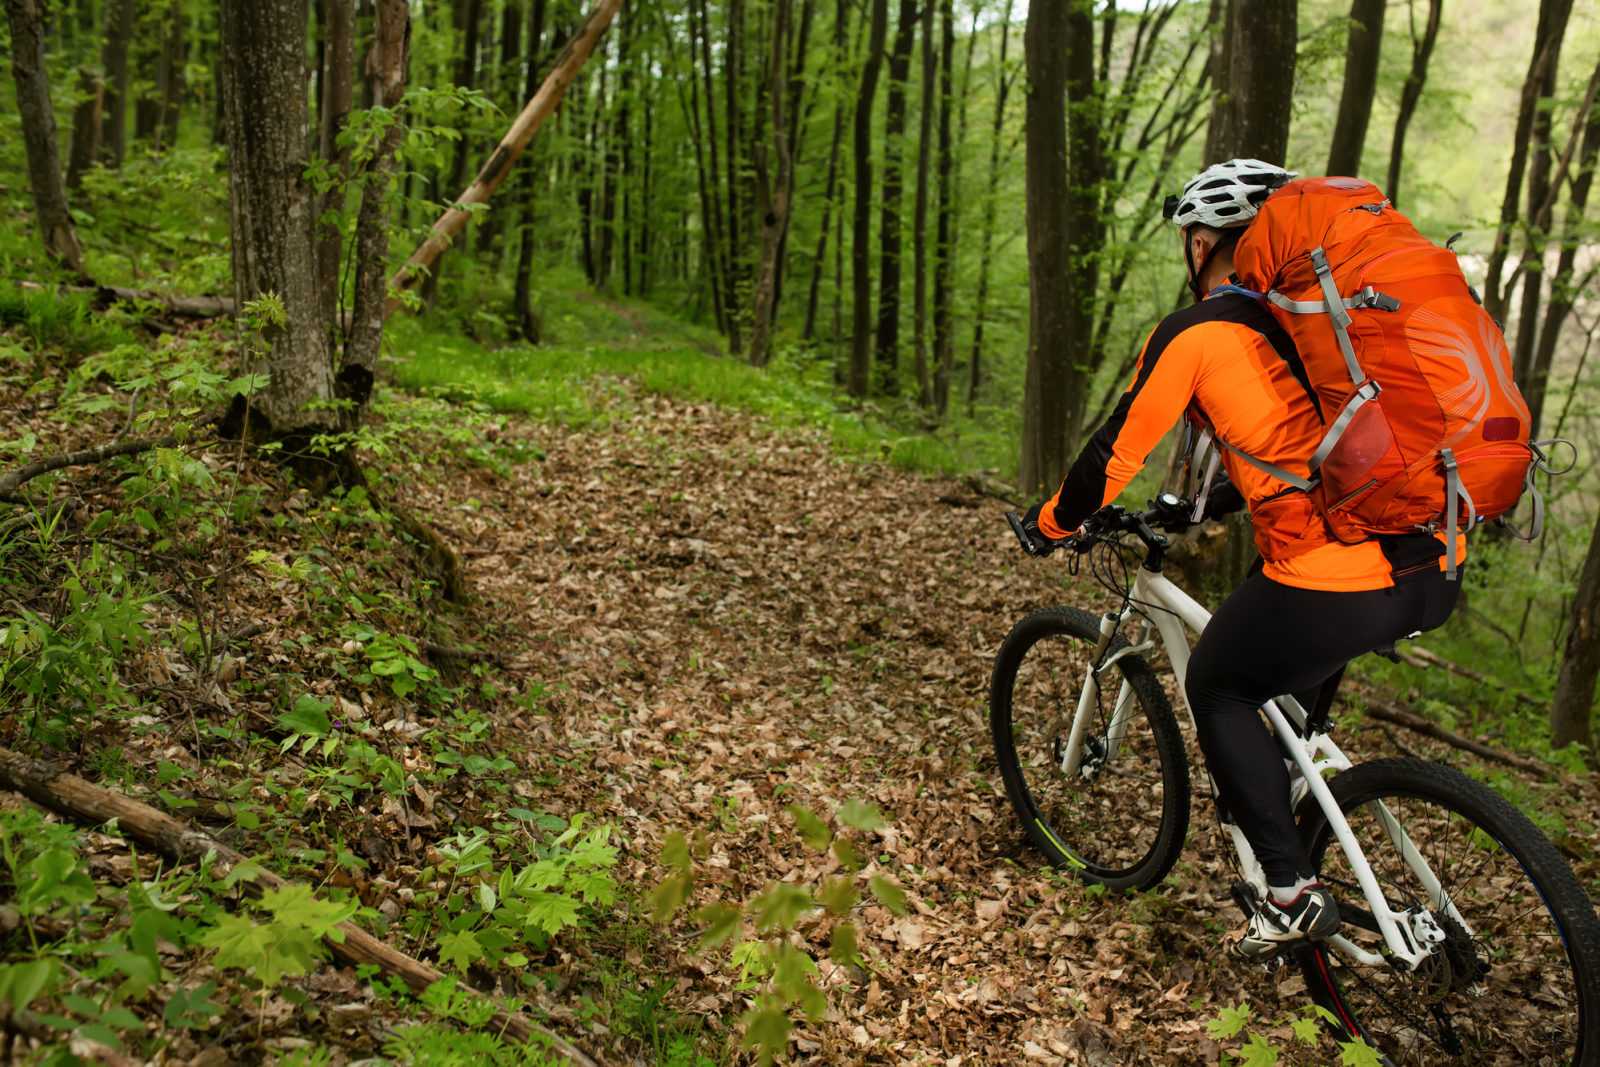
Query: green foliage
column 288, row 945
column 776, row 962
column 1307, row 1028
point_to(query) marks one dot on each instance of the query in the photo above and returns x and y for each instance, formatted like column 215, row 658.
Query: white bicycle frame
column 1410, row 935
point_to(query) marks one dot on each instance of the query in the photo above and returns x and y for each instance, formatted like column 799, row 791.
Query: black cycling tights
column 1268, row 639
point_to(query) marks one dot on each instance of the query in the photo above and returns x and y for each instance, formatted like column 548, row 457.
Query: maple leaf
column 767, row 1031
column 859, row 815
column 1229, row 1021
column 721, row 922
column 1306, row 1031
column 269, row 951
column 839, row 895
column 672, row 894
column 1358, row 1053
column 460, row 950
column 889, row 895
column 844, row 947
column 551, row 912
column 813, row 831
column 1258, row 1053
column 781, row 906
column 296, row 905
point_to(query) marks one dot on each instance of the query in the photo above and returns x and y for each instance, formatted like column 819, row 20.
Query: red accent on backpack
column 1425, row 426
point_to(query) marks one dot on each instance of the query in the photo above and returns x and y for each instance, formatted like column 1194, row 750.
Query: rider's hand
column 1223, row 500
column 1037, row 544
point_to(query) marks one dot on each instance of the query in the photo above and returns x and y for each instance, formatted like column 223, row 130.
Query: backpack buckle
column 1371, row 298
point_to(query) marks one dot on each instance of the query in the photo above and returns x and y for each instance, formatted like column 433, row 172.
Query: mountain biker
column 1311, row 604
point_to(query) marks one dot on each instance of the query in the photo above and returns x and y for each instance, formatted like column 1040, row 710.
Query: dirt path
column 729, row 621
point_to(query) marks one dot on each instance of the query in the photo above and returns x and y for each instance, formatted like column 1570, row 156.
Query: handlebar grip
column 1017, row 528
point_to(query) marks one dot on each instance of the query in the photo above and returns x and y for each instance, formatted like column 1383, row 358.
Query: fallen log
column 183, row 307
column 1418, row 656
column 69, row 795
column 1428, row 728
column 12, row 481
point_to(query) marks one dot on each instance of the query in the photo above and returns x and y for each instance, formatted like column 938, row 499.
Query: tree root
column 10, row 482
column 71, row 796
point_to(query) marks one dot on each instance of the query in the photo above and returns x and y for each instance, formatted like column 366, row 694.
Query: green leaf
column 1358, row 1053
column 1229, row 1021
column 675, row 852
column 486, row 897
column 766, row 1030
column 1306, row 1031
column 551, row 912
column 846, row 853
column 25, row 981
column 309, row 716
column 298, row 906
column 889, row 895
column 844, row 946
column 813, row 831
column 191, row 1009
column 859, row 815
column 791, row 977
column 1258, row 1052
column 839, row 895
column 672, row 894
column 781, row 906
column 720, row 922
column 460, row 950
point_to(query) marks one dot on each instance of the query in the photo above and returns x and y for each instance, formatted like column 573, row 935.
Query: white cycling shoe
column 1311, row 916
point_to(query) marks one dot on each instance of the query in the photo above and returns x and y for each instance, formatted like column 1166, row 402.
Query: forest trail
column 729, row 620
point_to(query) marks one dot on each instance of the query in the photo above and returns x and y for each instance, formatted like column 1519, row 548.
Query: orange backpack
column 1425, row 427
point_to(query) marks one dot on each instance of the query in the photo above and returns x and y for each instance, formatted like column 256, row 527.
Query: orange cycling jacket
column 1229, row 364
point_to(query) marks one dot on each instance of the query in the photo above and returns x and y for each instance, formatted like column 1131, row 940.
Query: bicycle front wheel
column 1119, row 817
column 1516, row 977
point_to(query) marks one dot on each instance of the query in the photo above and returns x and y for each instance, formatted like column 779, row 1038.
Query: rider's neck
column 1217, row 273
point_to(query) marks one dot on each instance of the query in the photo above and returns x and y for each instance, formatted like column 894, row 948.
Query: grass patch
column 566, row 383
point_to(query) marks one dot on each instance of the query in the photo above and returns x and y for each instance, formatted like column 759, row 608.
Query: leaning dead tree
column 540, row 108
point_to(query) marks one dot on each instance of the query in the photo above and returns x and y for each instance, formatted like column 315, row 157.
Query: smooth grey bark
column 1360, row 82
column 26, row 18
column 264, row 69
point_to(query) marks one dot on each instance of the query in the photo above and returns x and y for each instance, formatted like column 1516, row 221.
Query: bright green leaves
column 290, row 945
column 1358, row 1054
column 859, row 815
column 766, row 1030
column 888, row 893
column 459, row 950
column 191, row 1009
column 1258, row 1052
column 51, row 880
column 308, row 718
column 719, row 922
column 1229, row 1022
column 781, row 906
column 812, row 830
column 23, row 983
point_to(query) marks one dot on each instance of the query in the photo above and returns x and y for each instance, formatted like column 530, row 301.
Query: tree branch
column 9, row 483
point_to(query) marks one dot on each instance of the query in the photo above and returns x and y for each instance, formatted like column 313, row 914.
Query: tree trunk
column 889, row 220
column 1411, row 93
column 527, row 319
column 1086, row 228
column 945, row 243
column 1360, row 81
column 732, row 60
column 264, row 60
column 774, row 192
column 511, row 146
column 830, row 186
column 174, row 55
column 1538, row 85
column 469, row 15
column 39, row 133
column 919, row 220
column 1563, row 293
column 119, row 31
column 718, row 247
column 1052, row 380
column 1580, row 666
column 1003, row 80
column 860, row 377
column 338, row 95
column 1251, row 114
column 386, row 69
column 86, row 122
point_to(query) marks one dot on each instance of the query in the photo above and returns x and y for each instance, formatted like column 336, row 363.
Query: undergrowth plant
column 1254, row 1049
column 772, row 932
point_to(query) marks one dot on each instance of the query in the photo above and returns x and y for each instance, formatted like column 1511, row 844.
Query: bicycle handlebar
column 1168, row 511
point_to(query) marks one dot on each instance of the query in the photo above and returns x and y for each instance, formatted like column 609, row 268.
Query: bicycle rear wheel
column 1517, row 977
column 1121, row 819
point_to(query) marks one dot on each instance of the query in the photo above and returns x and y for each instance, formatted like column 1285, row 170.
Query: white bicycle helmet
column 1225, row 195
